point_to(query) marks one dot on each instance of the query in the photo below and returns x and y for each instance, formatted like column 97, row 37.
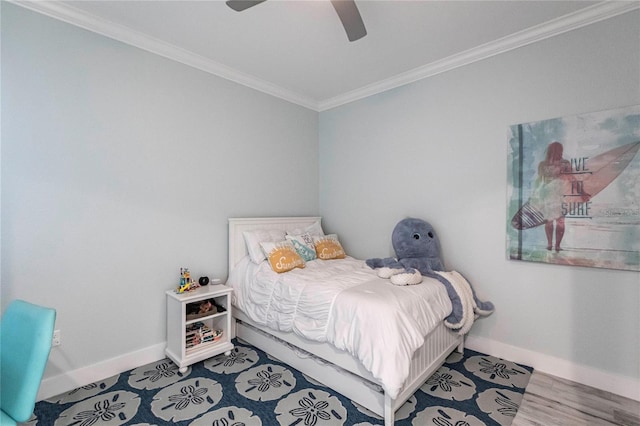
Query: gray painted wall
column 437, row 149
column 118, row 168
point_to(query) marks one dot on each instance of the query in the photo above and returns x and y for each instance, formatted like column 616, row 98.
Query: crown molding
column 563, row 24
column 124, row 34
column 589, row 15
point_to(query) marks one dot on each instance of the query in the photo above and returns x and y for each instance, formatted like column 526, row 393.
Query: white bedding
column 377, row 322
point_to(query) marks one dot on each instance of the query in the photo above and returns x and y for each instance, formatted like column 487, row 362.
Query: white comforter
column 343, row 302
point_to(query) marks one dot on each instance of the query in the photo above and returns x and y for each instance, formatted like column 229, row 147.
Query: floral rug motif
column 249, row 388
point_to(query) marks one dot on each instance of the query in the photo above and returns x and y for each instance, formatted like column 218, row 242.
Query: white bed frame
column 341, row 371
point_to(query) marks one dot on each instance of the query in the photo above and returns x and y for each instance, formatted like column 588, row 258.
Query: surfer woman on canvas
column 548, row 192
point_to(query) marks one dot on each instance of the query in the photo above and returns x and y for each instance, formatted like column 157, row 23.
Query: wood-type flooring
column 552, row 401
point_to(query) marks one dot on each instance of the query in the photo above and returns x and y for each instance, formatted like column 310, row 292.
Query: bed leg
column 461, row 345
column 389, row 412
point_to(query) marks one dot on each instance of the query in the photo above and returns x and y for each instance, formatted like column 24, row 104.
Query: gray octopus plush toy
column 418, row 254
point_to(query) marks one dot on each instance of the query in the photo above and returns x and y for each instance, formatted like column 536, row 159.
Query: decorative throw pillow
column 282, row 256
column 328, row 247
column 253, row 239
column 304, row 246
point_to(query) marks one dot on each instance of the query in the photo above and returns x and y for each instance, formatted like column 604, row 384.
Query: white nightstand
column 186, row 346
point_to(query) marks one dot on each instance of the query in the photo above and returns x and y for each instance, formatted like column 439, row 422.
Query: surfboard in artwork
column 580, row 181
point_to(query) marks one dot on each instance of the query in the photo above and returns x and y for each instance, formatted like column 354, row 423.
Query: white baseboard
column 610, row 382
column 83, row 376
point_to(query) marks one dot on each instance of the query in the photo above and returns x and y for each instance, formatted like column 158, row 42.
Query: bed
column 336, row 368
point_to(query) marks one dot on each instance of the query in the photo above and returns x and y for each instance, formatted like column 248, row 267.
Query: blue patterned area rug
column 249, row 388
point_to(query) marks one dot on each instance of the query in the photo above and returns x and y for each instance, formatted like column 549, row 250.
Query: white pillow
column 314, row 230
column 253, row 239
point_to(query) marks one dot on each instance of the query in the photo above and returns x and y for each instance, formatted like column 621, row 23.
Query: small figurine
column 185, row 280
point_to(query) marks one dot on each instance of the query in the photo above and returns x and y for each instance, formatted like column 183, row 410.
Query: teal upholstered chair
column 25, row 342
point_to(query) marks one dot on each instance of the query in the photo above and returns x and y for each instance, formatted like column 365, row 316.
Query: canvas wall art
column 573, row 190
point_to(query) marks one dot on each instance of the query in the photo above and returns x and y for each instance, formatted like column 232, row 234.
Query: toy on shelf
column 185, row 281
column 199, row 333
column 201, row 309
column 205, row 307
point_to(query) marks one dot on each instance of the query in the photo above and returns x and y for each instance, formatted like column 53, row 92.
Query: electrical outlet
column 57, row 338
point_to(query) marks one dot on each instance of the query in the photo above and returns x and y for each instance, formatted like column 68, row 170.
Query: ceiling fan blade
column 240, row 5
column 350, row 17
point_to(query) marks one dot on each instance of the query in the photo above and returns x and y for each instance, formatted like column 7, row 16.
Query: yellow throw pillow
column 328, row 247
column 282, row 256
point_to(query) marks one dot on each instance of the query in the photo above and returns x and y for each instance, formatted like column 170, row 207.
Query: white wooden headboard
column 237, row 247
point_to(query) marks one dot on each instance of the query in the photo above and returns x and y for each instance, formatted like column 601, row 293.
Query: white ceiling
column 298, row 50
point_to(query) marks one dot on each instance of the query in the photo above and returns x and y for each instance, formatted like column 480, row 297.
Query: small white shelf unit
column 179, row 349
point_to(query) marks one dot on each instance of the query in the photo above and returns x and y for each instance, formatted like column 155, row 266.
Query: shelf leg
column 183, row 369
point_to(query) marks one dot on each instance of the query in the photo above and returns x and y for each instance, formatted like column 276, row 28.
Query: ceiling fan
column 346, row 9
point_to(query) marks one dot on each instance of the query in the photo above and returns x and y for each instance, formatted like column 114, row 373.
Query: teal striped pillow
column 304, row 246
